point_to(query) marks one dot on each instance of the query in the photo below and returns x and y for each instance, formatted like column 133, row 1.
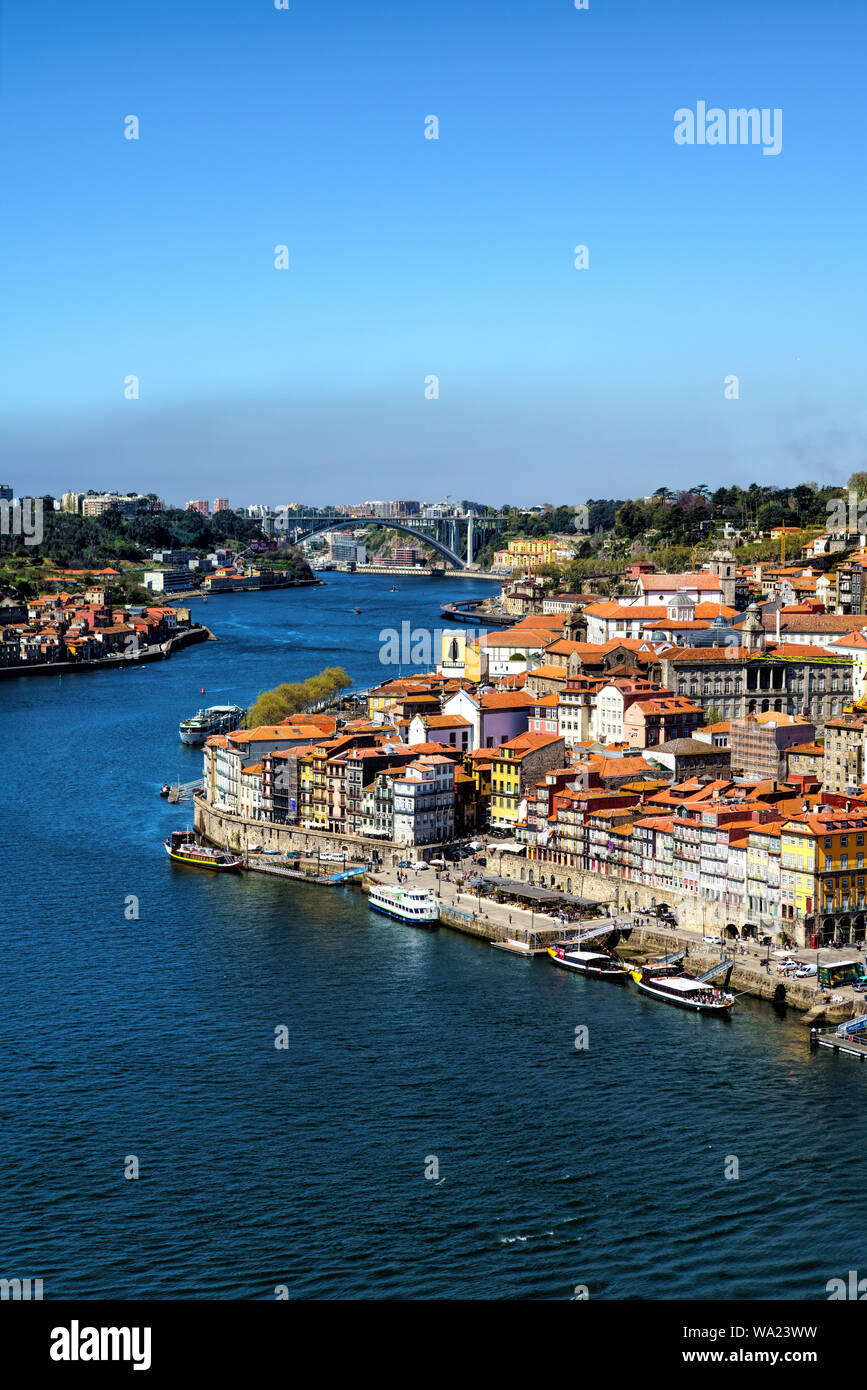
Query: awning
column 532, row 893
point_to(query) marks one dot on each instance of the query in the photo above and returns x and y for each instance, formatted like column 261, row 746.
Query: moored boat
column 595, row 963
column 406, row 904
column 684, row 992
column 218, row 719
column 183, row 848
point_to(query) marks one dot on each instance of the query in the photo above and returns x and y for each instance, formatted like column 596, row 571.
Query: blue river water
column 306, row 1167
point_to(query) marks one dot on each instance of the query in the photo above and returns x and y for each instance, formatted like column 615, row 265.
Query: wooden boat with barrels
column 597, row 964
column 183, row 847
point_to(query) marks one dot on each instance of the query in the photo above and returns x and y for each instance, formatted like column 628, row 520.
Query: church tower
column 575, row 626
column 752, row 630
column 722, row 564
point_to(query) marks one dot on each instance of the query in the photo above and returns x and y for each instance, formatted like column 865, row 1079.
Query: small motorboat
column 165, row 789
column 358, row 610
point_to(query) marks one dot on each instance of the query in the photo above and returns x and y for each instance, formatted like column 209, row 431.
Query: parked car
column 292, row 854
column 787, row 967
column 422, row 864
column 804, row 970
column 404, row 863
column 712, row 940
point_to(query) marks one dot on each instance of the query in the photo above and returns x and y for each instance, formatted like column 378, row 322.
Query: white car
column 712, row 940
column 787, row 967
column 804, row 970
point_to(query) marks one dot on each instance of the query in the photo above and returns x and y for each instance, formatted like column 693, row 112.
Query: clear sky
column 411, row 257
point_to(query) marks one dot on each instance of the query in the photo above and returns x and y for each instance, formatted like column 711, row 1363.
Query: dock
column 182, row 791
column 519, row 948
column 830, row 1038
column 261, row 864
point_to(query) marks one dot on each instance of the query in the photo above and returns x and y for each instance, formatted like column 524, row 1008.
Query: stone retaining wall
column 220, row 826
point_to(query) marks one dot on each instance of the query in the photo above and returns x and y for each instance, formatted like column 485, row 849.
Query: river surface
column 430, row 1130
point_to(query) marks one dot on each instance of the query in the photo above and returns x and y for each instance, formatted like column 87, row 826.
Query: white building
column 424, row 801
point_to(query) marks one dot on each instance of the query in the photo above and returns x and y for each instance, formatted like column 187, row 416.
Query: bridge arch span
column 353, row 523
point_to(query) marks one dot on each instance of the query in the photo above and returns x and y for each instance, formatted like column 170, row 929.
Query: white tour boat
column 406, row 904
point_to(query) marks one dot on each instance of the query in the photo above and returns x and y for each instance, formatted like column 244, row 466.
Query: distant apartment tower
column 200, row 505
column 96, row 504
column 69, row 502
column 5, row 492
column 221, row 504
column 405, row 555
column 405, row 508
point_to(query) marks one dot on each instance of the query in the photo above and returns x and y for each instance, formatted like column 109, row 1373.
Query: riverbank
column 158, row 652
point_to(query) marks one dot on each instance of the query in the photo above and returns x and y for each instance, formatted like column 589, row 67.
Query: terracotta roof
column 526, row 743
column 650, row 582
column 814, row 622
column 620, row 767
column 507, row 699
column 553, row 673
column 794, row 650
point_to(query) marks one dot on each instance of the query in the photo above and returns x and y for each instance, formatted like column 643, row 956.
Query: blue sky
column 411, row 257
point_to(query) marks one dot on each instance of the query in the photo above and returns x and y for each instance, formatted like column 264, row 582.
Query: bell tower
column 722, row 564
column 575, row 626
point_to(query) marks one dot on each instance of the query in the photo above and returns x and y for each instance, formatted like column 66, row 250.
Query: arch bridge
column 457, row 538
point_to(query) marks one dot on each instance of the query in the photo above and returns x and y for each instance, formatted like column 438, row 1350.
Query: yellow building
column 824, row 875
column 515, row 768
column 531, row 554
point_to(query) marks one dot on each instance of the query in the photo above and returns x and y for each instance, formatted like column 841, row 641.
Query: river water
column 431, row 1129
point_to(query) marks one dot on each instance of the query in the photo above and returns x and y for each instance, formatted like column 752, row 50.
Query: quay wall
column 220, row 826
column 626, row 895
